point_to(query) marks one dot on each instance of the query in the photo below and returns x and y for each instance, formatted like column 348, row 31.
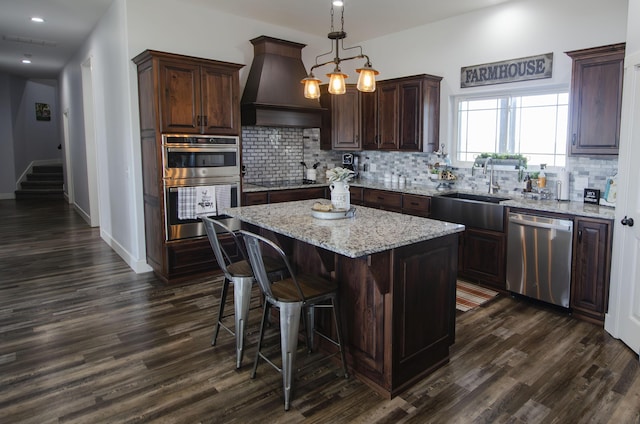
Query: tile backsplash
column 275, row 154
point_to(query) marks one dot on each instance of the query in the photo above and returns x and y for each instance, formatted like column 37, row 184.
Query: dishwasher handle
column 560, row 225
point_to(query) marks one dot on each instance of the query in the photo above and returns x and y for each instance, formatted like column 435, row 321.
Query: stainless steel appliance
column 539, row 257
column 192, row 161
column 186, row 156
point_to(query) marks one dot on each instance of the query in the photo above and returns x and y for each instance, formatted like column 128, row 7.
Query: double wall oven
column 192, row 161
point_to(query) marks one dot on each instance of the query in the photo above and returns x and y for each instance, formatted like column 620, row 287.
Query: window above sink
column 533, row 124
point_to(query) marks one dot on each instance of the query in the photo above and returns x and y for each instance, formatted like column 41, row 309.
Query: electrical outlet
column 372, row 167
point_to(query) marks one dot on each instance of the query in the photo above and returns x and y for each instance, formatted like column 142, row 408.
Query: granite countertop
column 516, row 200
column 369, row 231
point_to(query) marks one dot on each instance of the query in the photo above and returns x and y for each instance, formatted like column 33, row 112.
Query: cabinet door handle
column 579, row 236
column 198, row 120
column 206, row 121
column 573, row 139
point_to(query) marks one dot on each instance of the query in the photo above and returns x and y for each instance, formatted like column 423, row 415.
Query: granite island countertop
column 516, row 200
column 369, row 231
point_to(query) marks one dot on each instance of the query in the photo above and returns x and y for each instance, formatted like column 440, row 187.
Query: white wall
column 507, row 31
column 36, row 140
column 516, row 29
column 633, row 27
column 7, row 169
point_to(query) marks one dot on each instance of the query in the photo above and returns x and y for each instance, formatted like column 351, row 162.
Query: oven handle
column 201, row 149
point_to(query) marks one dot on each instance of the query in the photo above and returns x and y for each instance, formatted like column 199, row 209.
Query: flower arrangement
column 339, row 174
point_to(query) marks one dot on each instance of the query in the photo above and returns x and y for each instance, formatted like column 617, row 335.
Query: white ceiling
column 68, row 22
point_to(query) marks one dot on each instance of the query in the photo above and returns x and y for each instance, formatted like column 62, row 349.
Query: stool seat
column 311, row 286
column 242, row 269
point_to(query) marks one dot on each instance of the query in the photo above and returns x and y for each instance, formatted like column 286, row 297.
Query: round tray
column 334, row 214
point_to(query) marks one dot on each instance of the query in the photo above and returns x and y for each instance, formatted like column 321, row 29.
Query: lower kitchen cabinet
column 287, row 195
column 416, row 205
column 382, row 199
column 255, row 198
column 186, row 258
column 482, row 256
column 591, row 268
column 297, row 194
column 357, row 195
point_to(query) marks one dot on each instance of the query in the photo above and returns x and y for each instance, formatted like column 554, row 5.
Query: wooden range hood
column 273, row 95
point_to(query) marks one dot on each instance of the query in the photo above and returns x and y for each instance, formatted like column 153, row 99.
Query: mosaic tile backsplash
column 274, row 154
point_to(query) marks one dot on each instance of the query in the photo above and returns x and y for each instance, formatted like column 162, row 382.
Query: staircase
column 43, row 182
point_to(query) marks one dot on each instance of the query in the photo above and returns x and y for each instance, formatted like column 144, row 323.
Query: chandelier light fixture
column 367, row 78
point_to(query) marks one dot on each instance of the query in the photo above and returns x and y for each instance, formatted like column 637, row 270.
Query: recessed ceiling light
column 37, row 19
column 338, row 3
column 27, row 61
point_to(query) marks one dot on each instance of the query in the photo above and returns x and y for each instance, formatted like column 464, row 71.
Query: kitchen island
column 397, row 279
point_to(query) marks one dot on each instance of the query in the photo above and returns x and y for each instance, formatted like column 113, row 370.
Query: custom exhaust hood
column 273, row 95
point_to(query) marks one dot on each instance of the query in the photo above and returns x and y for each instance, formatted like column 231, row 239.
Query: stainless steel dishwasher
column 539, row 257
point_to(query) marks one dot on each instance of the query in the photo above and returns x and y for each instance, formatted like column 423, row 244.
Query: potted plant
column 338, row 178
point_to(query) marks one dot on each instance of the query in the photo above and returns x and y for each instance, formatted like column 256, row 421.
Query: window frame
column 487, row 95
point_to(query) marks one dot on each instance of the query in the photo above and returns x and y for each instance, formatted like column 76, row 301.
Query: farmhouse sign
column 523, row 69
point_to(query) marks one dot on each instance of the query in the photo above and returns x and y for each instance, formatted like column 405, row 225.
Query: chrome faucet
column 493, row 185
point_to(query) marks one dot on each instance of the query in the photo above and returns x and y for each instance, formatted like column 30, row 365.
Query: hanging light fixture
column 367, row 78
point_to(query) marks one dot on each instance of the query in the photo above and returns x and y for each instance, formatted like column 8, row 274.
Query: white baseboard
column 7, row 196
column 136, row 265
column 82, row 213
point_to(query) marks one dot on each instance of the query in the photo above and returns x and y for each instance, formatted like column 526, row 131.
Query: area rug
column 469, row 296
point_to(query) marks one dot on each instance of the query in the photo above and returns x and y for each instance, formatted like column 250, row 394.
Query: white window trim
column 528, row 91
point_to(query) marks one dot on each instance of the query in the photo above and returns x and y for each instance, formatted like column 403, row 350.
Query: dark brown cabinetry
column 482, row 257
column 591, row 268
column 341, row 123
column 195, row 97
column 403, row 115
column 596, row 100
column 357, row 195
column 287, row 195
column 382, row 199
column 179, row 94
column 413, row 204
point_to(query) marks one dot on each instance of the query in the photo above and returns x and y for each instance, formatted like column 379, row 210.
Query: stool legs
column 241, row 300
column 223, row 299
column 289, row 326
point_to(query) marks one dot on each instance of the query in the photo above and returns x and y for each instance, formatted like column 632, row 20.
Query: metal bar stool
column 240, row 274
column 290, row 296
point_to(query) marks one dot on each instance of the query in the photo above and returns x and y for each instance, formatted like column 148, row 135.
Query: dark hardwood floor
column 83, row 339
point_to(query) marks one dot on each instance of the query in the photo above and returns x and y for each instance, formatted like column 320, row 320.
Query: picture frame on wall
column 43, row 112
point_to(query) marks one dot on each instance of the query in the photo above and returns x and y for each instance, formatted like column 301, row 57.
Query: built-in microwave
column 203, row 156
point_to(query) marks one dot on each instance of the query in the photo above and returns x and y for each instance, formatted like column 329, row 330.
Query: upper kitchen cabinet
column 596, row 100
column 196, row 96
column 403, row 115
column 341, row 122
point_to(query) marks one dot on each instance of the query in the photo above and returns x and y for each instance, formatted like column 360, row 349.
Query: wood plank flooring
column 83, row 339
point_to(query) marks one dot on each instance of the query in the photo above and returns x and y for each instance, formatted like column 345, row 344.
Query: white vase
column 340, row 196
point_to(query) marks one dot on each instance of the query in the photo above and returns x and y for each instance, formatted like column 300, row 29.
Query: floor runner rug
column 469, row 296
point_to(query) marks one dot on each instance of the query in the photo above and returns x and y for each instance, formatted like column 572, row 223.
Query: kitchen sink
column 472, row 210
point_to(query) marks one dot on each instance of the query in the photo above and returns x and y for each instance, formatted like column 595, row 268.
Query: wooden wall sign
column 523, row 69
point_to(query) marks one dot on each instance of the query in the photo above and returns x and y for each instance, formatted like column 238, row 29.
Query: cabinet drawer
column 256, row 198
column 357, row 197
column 386, row 200
column 416, row 205
column 297, row 194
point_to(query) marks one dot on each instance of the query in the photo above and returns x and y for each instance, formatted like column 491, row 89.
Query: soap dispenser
column 542, row 177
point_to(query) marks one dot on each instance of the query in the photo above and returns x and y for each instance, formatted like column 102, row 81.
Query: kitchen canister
column 340, row 195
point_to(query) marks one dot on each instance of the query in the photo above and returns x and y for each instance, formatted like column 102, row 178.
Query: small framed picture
column 43, row 112
column 592, row 195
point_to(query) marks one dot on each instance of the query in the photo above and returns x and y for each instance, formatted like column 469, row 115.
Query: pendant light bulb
column 311, row 87
column 367, row 79
column 336, row 82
